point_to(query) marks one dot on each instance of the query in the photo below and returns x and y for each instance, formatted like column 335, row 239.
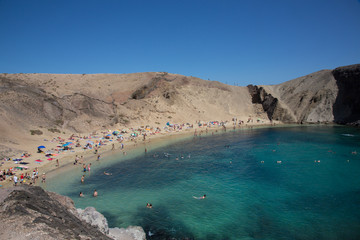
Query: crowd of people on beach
column 76, row 143
column 25, row 177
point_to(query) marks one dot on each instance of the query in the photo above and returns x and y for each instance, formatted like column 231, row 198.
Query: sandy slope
column 83, row 103
column 61, row 104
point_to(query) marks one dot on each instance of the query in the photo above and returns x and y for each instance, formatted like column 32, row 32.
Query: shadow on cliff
column 346, row 108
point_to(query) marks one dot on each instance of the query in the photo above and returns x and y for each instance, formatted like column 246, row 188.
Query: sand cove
column 136, row 139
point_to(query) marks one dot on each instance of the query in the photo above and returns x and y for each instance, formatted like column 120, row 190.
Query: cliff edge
column 327, row 96
column 29, row 212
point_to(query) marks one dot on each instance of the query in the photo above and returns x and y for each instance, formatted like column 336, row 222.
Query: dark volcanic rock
column 269, row 103
column 347, row 105
column 30, row 213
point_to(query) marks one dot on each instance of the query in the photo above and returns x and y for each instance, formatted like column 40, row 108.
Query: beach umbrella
column 41, row 146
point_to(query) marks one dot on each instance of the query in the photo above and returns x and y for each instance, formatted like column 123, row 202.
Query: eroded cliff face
column 271, row 105
column 347, row 105
column 29, row 212
column 308, row 99
column 326, row 96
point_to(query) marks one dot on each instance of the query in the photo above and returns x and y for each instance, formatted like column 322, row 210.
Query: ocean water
column 314, row 193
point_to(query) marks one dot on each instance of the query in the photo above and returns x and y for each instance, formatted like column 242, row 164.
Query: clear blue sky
column 236, row 42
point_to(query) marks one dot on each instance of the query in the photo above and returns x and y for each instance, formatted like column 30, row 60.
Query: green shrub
column 36, row 132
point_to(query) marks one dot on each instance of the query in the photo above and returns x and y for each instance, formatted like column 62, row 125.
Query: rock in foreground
column 32, row 213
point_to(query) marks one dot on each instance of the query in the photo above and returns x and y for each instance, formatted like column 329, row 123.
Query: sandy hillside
column 53, row 104
column 62, row 103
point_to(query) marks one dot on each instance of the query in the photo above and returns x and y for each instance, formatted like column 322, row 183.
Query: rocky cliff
column 346, row 108
column 324, row 96
column 31, row 213
column 270, row 104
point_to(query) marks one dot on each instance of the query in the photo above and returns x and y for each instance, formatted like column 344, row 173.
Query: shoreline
column 38, row 161
column 131, row 147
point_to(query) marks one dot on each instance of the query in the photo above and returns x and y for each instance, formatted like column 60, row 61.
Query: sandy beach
column 106, row 143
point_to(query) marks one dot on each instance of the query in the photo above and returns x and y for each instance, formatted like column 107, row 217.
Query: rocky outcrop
column 32, row 213
column 308, row 99
column 94, row 218
column 129, row 233
column 322, row 97
column 347, row 104
column 270, row 104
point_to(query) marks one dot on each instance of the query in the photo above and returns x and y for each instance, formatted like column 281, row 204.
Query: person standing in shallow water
column 95, row 194
column 43, row 178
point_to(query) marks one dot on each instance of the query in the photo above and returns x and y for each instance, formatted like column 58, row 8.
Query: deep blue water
column 314, row 193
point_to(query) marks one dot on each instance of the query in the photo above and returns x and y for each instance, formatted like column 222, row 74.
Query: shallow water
column 314, row 193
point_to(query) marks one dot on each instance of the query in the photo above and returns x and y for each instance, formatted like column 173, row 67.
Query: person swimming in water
column 149, row 205
column 106, row 173
column 202, row 197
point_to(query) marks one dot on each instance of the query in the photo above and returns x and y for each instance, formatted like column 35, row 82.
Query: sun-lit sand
column 111, row 145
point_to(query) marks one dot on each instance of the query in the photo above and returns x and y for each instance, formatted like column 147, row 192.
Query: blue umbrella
column 41, row 146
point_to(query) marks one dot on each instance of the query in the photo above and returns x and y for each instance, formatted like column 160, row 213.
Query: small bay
column 272, row 183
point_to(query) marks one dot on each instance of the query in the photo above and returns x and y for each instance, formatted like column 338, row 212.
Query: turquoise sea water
column 314, row 193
